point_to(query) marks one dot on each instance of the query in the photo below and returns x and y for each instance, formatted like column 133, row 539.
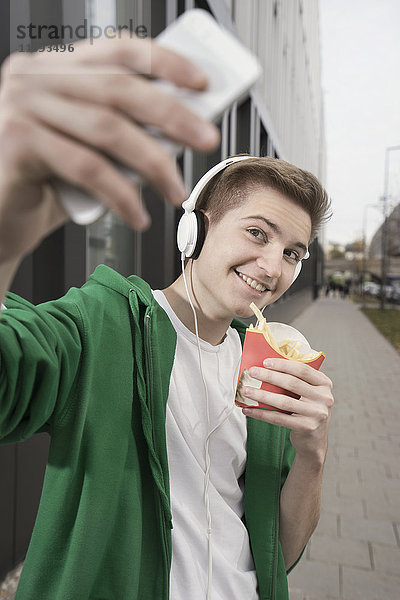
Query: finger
column 142, row 101
column 82, row 167
column 286, row 382
column 130, row 94
column 115, row 135
column 298, row 423
column 281, row 401
column 143, row 56
column 298, row 369
column 272, row 417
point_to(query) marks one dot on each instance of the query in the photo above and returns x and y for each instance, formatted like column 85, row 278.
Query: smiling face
column 250, row 254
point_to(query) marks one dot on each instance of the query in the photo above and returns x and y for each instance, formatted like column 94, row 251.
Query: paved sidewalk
column 354, row 553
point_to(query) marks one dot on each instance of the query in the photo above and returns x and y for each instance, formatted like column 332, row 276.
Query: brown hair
column 232, row 185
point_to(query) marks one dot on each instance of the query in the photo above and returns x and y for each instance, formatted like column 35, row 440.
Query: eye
column 292, row 255
column 259, row 234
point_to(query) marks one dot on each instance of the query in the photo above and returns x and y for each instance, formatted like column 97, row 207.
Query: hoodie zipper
column 275, row 555
column 151, row 408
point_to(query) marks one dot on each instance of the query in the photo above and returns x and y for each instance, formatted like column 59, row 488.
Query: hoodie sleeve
column 40, row 350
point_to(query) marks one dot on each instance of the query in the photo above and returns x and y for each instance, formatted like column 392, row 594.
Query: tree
column 336, row 253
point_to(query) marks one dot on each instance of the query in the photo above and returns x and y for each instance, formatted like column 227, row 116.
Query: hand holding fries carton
column 275, row 340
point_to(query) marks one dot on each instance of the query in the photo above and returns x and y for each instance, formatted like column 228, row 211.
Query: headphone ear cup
column 201, row 234
column 187, row 233
column 191, row 233
column 296, row 272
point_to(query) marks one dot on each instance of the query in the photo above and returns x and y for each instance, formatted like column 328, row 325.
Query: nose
column 270, row 261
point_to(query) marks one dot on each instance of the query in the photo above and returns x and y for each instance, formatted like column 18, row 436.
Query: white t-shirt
column 234, row 573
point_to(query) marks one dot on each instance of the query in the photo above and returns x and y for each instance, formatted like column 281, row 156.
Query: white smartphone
column 231, row 69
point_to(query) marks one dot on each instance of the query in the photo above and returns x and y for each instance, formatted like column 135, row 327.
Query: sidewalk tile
column 344, row 506
column 295, row 594
column 345, row 452
column 330, row 486
column 374, row 467
column 391, row 425
column 317, row 578
column 369, row 585
column 386, row 446
column 393, row 497
column 324, row 597
column 391, row 485
column 373, row 473
column 386, row 559
column 377, row 457
column 395, row 438
column 338, row 472
column 364, row 490
column 396, row 527
column 340, row 551
column 381, row 511
column 327, row 524
column 394, row 470
column 367, row 530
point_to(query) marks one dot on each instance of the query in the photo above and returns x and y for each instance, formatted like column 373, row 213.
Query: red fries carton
column 274, row 341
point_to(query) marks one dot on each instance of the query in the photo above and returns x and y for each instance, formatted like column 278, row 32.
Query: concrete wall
column 285, row 36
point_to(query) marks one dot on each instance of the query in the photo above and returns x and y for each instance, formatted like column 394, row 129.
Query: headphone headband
column 190, row 204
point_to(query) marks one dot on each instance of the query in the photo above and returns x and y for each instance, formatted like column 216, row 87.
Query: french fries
column 288, row 348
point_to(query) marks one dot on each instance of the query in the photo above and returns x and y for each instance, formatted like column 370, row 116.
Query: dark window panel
column 22, row 283
column 31, row 462
column 263, row 141
column 4, row 30
column 153, row 241
column 40, row 276
column 48, row 268
column 45, row 12
column 74, row 255
column 158, row 15
column 243, row 128
column 181, row 6
column 202, row 4
column 7, row 507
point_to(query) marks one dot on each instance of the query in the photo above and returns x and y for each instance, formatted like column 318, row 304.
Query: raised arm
column 71, row 116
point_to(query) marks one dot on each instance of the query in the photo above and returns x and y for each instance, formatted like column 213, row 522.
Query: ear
column 206, row 219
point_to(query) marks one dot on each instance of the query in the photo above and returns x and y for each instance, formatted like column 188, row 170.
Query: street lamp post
column 364, row 259
column 384, row 226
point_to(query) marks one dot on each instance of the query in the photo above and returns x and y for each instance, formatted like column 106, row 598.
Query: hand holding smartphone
column 231, row 70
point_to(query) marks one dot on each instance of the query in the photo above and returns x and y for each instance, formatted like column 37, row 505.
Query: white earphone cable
column 206, row 441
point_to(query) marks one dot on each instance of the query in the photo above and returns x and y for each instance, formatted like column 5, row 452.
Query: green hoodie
column 93, row 369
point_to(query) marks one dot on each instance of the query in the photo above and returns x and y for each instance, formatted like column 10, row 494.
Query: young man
column 114, row 372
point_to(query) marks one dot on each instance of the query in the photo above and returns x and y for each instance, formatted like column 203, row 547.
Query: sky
column 360, row 47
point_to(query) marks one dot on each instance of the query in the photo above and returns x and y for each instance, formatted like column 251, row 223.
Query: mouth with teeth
column 255, row 285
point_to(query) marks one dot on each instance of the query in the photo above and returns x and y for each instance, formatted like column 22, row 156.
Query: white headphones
column 191, row 229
